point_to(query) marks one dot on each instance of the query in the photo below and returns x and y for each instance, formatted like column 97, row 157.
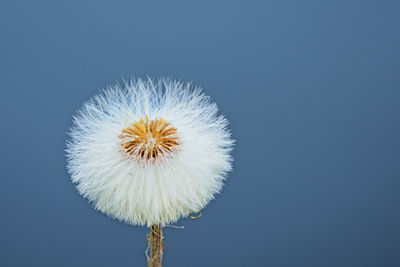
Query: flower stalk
column 156, row 246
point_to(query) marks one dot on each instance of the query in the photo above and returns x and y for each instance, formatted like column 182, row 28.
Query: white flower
column 151, row 152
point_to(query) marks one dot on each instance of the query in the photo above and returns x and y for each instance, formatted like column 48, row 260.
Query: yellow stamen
column 149, row 139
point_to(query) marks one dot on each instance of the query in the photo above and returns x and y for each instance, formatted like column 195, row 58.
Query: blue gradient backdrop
column 312, row 90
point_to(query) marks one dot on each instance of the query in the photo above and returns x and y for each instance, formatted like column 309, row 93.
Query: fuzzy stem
column 156, row 246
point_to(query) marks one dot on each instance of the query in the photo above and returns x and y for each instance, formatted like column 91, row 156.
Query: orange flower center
column 149, row 139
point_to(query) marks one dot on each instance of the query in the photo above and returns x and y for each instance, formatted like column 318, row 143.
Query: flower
column 150, row 152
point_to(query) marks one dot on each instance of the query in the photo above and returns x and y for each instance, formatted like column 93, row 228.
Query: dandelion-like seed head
column 149, row 152
column 147, row 140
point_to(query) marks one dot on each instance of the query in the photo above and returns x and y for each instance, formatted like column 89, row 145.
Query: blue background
column 311, row 88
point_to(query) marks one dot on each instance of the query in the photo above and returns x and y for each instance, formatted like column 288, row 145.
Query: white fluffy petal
column 168, row 188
